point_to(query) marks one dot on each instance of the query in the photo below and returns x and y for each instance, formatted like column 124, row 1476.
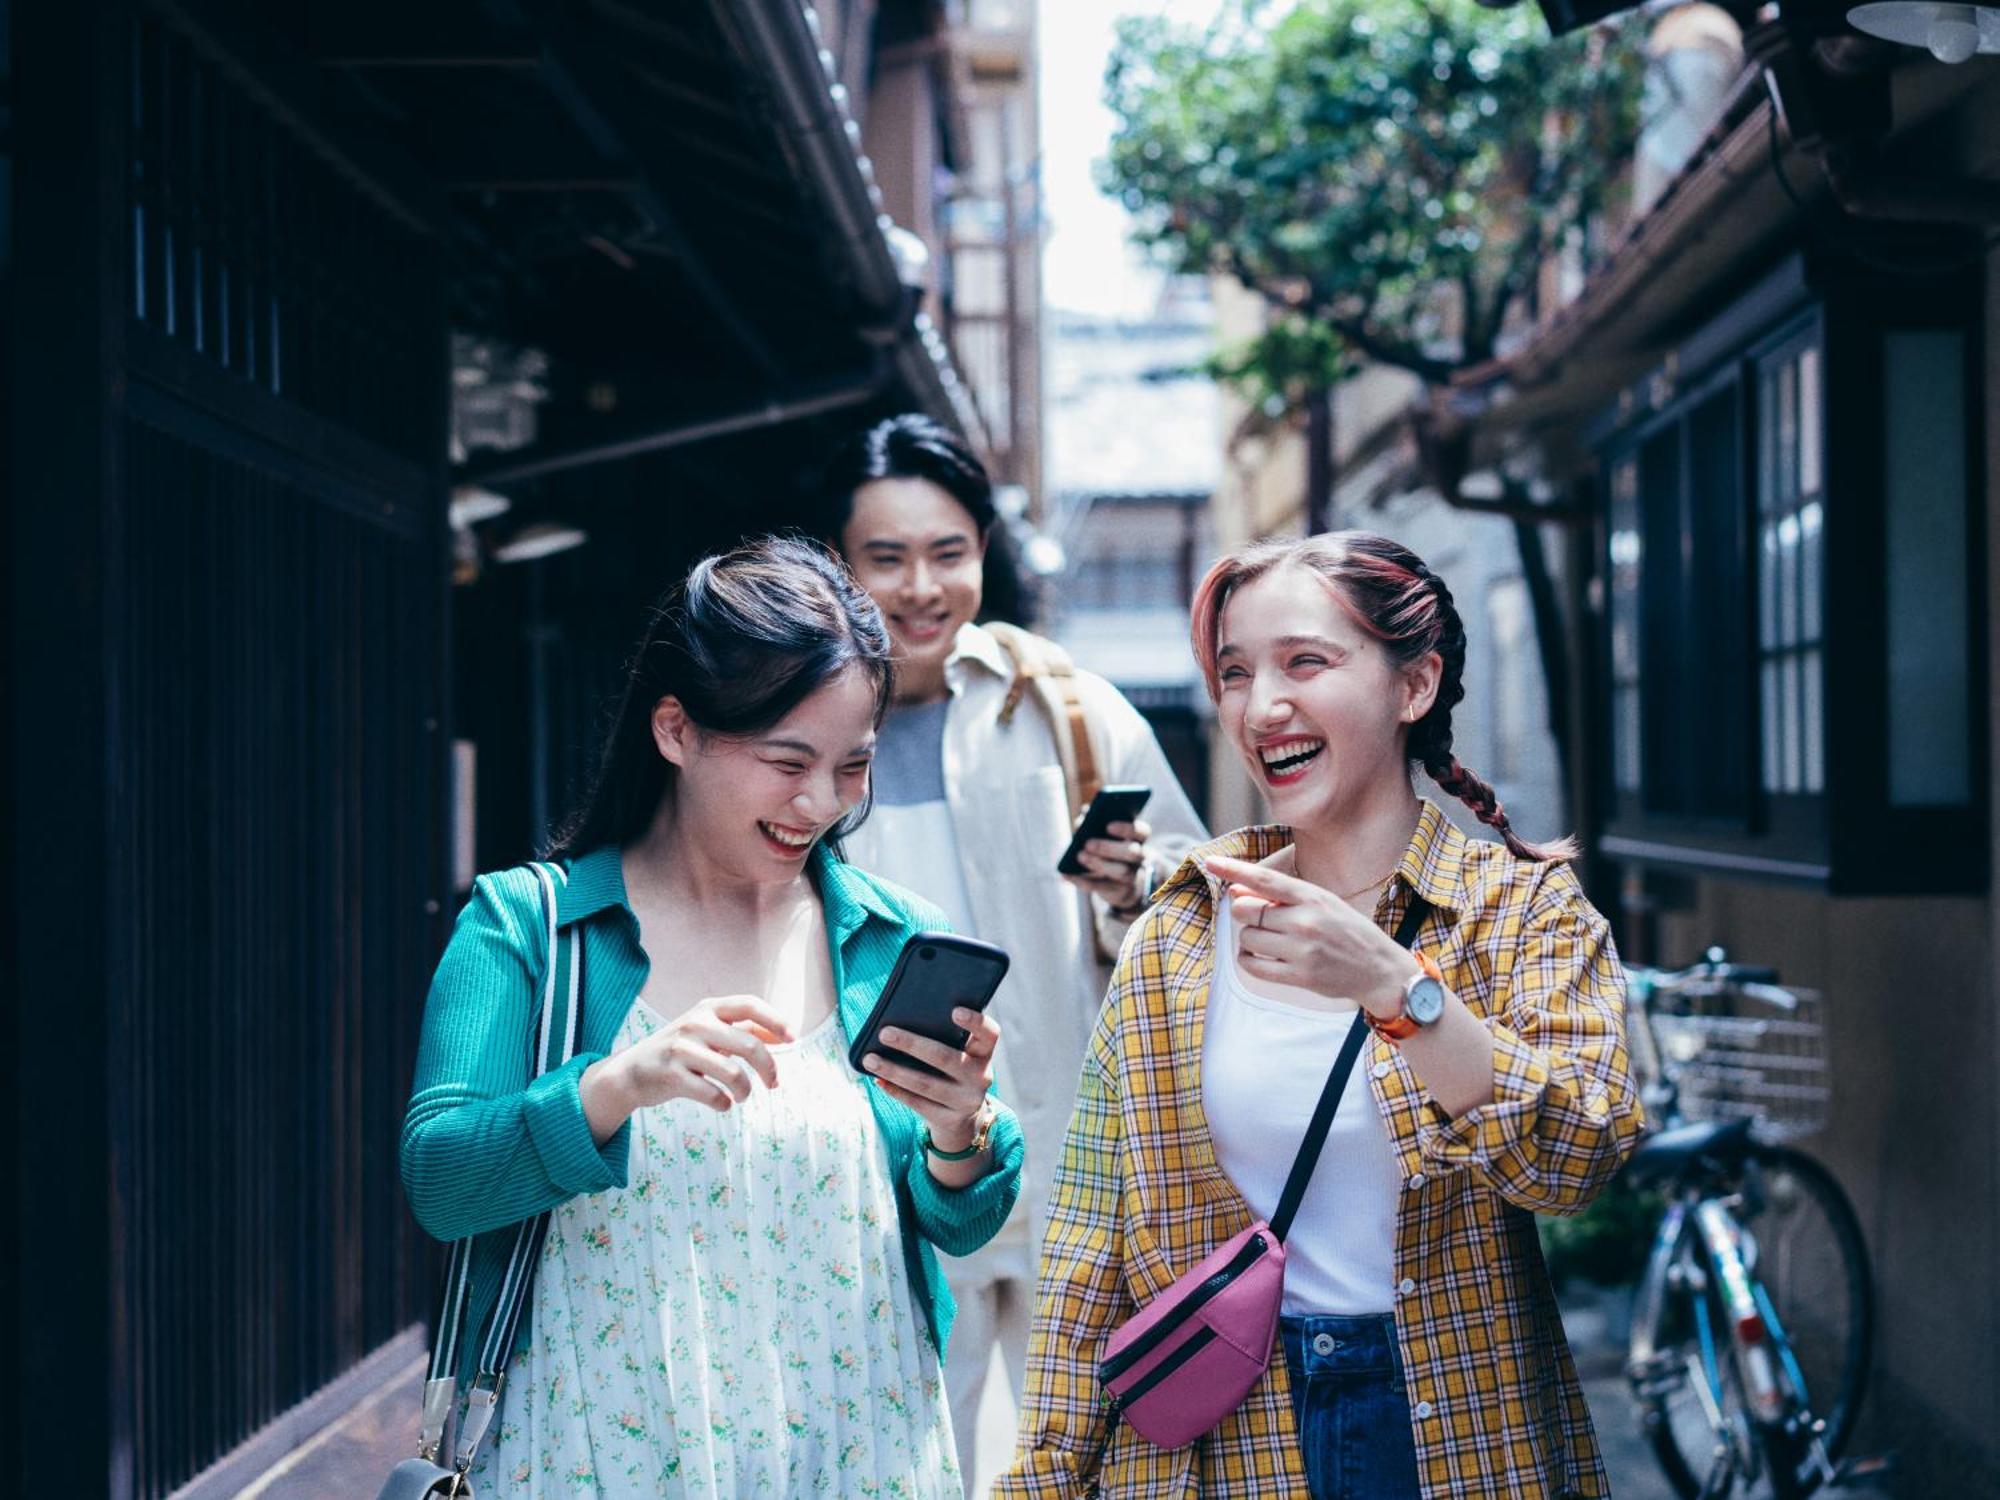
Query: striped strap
column 441, row 1385
column 555, row 1044
column 554, row 1038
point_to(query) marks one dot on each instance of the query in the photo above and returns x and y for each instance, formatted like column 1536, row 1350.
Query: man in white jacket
column 972, row 811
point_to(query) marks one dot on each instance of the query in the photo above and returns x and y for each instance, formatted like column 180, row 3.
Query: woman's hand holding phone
column 708, row 1054
column 950, row 1105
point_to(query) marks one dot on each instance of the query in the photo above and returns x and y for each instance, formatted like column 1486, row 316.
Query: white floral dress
column 738, row 1320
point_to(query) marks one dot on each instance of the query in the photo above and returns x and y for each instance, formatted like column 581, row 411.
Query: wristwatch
column 1423, row 1003
column 982, row 1132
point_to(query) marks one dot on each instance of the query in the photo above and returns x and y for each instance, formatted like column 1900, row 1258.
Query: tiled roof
column 1128, row 412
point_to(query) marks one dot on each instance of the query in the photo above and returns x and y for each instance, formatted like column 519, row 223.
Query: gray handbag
column 427, row 1477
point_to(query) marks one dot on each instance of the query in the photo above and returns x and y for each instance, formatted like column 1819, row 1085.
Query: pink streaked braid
column 1395, row 597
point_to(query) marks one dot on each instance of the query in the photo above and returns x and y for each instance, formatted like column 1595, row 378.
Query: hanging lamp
column 1950, row 33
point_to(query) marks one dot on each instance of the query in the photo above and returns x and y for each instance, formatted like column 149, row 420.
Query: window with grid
column 1818, row 439
column 1121, row 580
column 1791, row 567
column 1680, row 710
column 1627, row 551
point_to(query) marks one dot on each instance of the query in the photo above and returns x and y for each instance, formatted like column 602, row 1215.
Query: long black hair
column 741, row 642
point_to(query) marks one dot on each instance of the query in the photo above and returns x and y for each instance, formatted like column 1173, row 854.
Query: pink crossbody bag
column 1190, row 1357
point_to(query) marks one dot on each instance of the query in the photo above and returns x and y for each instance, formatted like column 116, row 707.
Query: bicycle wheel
column 1808, row 1262
column 1690, row 1404
column 1811, row 1267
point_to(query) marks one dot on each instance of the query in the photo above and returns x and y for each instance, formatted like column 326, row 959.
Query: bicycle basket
column 1743, row 1052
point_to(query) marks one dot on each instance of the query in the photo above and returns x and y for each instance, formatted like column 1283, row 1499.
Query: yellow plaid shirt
column 1139, row 1197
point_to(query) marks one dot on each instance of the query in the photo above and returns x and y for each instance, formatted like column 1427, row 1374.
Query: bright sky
column 1088, row 267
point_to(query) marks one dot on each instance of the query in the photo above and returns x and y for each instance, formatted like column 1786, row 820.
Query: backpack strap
column 1045, row 669
column 1087, row 781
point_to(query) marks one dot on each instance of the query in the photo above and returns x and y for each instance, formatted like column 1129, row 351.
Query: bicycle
column 1753, row 1322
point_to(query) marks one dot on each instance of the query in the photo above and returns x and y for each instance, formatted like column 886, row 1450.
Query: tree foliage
column 1278, row 371
column 1390, row 175
column 1390, row 171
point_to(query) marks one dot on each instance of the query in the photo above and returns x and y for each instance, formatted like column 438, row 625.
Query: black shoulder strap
column 1336, row 1085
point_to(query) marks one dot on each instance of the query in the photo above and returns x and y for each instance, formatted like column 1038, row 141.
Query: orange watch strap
column 1395, row 1028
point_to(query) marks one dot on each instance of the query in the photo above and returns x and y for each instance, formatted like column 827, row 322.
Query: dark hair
column 741, row 642
column 907, row 447
column 1391, row 594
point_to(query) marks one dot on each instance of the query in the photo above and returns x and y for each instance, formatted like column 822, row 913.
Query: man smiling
column 972, row 810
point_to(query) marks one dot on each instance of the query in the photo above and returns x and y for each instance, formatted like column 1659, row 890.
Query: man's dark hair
column 907, row 447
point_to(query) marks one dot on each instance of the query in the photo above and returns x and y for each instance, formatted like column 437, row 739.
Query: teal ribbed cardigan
column 484, row 1147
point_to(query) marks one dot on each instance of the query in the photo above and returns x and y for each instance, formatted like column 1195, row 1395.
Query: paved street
column 352, row 1458
column 355, row 1455
column 1597, row 1344
column 1599, row 1362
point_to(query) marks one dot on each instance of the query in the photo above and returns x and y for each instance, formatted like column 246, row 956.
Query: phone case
column 1121, row 804
column 935, row 972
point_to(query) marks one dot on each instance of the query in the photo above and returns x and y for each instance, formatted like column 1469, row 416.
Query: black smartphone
column 936, row 972
column 1112, row 804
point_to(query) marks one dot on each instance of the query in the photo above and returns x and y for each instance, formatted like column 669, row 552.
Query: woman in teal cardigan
column 739, row 1293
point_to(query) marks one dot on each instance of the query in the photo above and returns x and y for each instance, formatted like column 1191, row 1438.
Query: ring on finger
column 1262, row 912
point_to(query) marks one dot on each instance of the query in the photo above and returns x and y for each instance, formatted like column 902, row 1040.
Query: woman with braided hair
column 1423, row 1354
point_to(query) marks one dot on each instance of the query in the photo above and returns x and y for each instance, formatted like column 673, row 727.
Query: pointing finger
column 1261, row 880
column 924, row 1049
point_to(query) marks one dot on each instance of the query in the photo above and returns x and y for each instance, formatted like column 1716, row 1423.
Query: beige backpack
column 1043, row 668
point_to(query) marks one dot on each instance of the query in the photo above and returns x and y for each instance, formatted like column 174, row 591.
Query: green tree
column 1390, row 175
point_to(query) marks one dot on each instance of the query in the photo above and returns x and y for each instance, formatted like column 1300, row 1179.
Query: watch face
column 1423, row 1002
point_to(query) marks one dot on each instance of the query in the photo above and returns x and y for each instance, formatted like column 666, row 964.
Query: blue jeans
column 1353, row 1415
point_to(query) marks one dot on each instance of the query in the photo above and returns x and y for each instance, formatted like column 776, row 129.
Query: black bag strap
column 1336, row 1085
column 553, row 1039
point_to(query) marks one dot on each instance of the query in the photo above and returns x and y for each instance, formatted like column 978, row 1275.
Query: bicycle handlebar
column 1647, row 985
column 1714, row 968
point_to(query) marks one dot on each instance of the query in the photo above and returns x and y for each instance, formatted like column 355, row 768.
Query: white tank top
column 1266, row 1051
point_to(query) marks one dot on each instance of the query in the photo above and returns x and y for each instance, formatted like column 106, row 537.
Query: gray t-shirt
column 909, row 755
column 912, row 832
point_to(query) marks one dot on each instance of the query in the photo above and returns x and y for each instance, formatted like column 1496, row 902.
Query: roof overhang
column 1746, row 193
column 671, row 200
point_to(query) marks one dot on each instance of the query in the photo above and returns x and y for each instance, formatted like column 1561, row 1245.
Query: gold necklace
column 1364, row 890
column 1379, row 880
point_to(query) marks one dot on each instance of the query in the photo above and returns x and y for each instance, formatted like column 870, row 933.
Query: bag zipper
column 1110, row 1369
column 1199, row 1340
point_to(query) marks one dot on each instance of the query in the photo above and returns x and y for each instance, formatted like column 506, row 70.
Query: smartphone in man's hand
column 1113, row 804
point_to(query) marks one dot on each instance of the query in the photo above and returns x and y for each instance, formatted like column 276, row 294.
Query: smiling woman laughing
column 740, row 1290
column 1422, row 1350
